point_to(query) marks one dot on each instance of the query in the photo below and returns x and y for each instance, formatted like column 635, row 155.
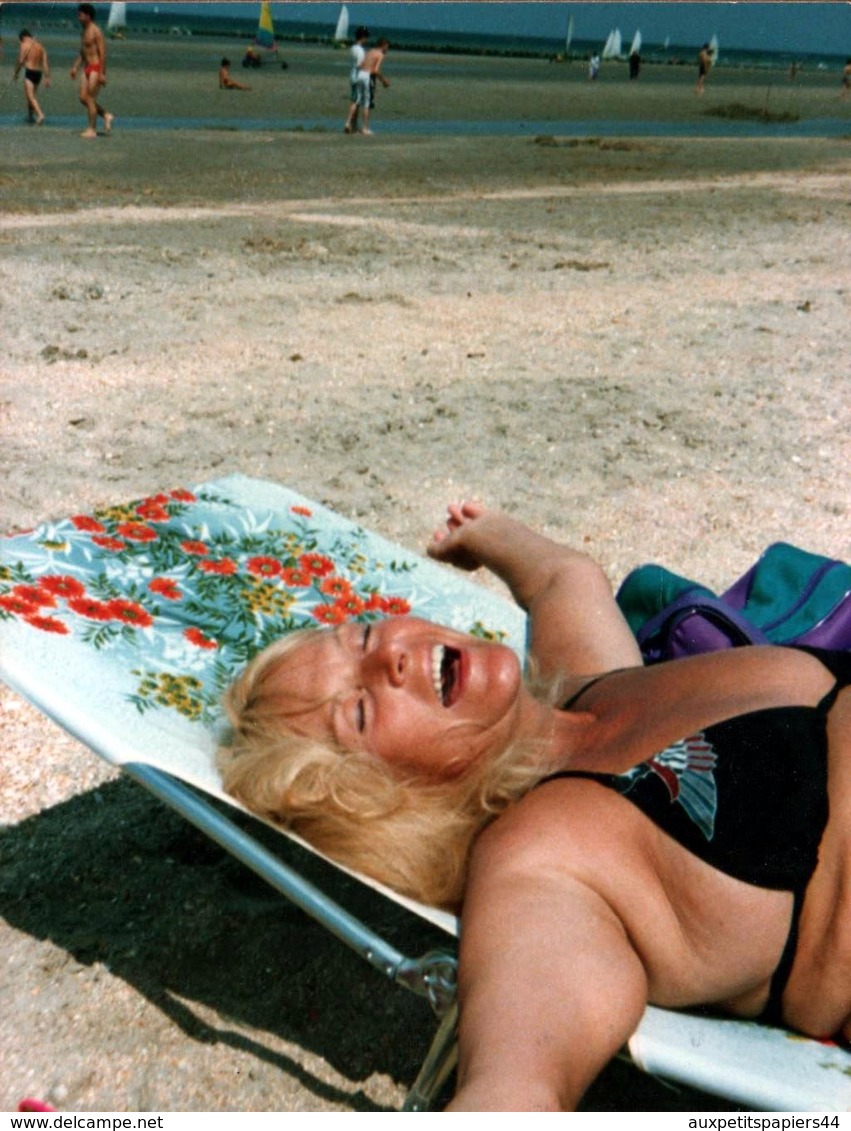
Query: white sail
column 569, row 37
column 117, row 20
column 713, row 43
column 341, row 32
column 635, row 49
column 667, row 42
column 608, row 51
column 617, row 47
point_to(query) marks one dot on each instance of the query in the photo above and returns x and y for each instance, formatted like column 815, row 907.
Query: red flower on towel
column 316, row 564
column 153, row 511
column 181, row 495
column 17, row 605
column 196, row 636
column 48, row 624
column 306, row 511
column 296, row 578
column 129, row 612
column 374, row 603
column 166, row 588
column 90, row 608
column 395, row 606
column 336, row 587
column 351, row 604
column 137, row 532
column 35, row 596
column 85, row 522
column 224, row 565
column 60, row 585
column 107, row 543
column 191, row 547
column 329, row 614
column 263, row 566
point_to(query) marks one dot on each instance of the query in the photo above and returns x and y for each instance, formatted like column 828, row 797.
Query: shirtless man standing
column 33, row 58
column 704, row 62
column 93, row 59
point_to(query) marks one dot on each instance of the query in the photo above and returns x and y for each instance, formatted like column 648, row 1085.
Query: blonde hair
column 407, row 831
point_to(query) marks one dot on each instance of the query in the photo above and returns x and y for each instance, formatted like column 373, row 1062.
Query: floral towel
column 126, row 625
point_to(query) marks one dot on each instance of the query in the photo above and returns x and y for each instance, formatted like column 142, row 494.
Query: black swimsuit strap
column 574, row 699
column 772, row 1014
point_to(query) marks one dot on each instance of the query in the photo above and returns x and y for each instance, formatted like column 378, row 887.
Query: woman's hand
column 448, row 545
column 575, row 625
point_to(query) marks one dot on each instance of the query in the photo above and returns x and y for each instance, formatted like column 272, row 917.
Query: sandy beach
column 637, row 344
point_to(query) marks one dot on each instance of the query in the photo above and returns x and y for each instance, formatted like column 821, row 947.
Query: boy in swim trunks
column 93, row 59
column 372, row 66
column 33, row 58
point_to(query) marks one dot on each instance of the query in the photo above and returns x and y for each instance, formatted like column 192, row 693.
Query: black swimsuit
column 748, row 796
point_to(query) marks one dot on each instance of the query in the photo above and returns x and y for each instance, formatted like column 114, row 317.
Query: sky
column 785, row 26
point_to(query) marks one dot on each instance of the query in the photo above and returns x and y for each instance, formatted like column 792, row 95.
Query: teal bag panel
column 792, row 590
column 649, row 589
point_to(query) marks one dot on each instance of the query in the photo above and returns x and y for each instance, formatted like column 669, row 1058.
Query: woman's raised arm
column 575, row 625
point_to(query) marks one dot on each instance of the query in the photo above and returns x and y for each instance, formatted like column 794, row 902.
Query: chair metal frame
column 432, row 975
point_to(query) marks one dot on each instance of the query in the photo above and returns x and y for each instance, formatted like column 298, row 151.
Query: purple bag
column 789, row 597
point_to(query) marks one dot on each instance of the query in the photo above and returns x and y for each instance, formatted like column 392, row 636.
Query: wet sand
column 638, row 345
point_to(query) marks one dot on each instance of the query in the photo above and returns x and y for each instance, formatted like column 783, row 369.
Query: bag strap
column 694, row 602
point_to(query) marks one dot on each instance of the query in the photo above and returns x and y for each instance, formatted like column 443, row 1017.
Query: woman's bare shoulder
column 565, row 824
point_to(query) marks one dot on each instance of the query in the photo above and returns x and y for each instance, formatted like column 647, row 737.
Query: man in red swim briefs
column 93, row 59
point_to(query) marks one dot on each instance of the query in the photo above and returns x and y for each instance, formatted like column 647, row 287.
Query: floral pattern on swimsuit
column 185, row 586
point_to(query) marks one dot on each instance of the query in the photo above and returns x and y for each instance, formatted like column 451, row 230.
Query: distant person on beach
column 704, row 62
column 92, row 58
column 594, row 67
column 225, row 80
column 33, row 58
column 358, row 80
column 846, row 80
column 634, row 65
column 372, row 66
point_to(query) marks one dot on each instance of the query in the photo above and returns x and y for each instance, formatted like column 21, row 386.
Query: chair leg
column 437, row 1066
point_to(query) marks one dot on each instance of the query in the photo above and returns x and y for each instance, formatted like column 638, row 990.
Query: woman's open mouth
column 446, row 673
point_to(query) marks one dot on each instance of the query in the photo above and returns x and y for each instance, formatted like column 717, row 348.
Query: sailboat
column 341, row 32
column 569, row 37
column 117, row 21
column 635, row 49
column 613, row 47
column 713, row 43
column 265, row 36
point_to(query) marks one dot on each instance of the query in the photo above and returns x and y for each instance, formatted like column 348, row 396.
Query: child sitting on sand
column 225, row 80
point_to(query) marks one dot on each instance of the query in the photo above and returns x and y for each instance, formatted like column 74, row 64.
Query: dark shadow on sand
column 113, row 877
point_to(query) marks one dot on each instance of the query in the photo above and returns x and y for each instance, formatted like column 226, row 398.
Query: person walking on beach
column 225, row 80
column 704, row 62
column 846, row 80
column 92, row 58
column 372, row 66
column 33, row 58
column 358, row 80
